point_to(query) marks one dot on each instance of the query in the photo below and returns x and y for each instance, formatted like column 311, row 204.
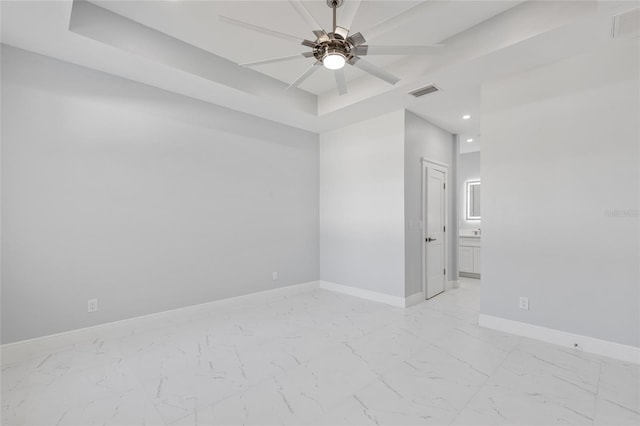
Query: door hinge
column 444, row 272
column 444, row 186
column 444, row 229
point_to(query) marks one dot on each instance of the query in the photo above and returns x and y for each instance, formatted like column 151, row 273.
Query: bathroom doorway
column 469, row 211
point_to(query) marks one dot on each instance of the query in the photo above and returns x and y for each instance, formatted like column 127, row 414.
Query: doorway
column 434, row 212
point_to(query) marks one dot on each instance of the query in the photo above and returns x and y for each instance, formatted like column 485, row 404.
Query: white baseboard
column 470, row 275
column 363, row 294
column 400, row 302
column 588, row 344
column 414, row 299
column 9, row 352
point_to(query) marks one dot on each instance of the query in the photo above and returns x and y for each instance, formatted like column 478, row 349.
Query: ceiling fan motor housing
column 333, row 47
column 337, row 43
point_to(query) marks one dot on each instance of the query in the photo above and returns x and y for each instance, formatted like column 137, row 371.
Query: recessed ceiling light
column 469, row 140
column 466, row 117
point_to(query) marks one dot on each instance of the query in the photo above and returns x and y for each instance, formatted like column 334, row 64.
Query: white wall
column 362, row 205
column 468, row 169
column 561, row 156
column 143, row 199
column 424, row 140
column 370, row 202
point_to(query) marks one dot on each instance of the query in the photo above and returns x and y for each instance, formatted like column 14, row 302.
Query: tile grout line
column 235, row 394
column 485, row 382
column 595, row 399
column 264, row 380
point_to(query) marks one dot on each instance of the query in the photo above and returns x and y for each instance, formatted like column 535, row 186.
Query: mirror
column 473, row 200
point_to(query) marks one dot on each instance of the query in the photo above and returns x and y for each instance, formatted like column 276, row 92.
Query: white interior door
column 435, row 255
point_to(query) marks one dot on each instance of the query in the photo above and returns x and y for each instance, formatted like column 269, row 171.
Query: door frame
column 426, row 164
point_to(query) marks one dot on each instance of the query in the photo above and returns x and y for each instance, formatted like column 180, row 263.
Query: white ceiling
column 484, row 40
column 196, row 23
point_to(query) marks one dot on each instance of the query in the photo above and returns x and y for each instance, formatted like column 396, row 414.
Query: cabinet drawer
column 469, row 242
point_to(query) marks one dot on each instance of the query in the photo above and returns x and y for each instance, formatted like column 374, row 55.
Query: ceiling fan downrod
column 335, row 4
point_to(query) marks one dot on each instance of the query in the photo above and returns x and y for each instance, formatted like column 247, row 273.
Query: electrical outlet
column 274, row 276
column 524, row 303
column 92, row 305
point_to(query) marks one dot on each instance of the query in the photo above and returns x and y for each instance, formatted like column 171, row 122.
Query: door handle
column 430, row 239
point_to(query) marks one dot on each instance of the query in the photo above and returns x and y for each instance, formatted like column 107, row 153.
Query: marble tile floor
column 315, row 357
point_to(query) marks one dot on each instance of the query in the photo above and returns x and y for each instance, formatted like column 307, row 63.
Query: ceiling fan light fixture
column 336, row 46
column 334, row 60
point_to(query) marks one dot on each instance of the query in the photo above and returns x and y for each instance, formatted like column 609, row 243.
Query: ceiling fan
column 338, row 47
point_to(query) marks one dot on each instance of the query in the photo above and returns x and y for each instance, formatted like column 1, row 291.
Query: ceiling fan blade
column 374, row 70
column 259, row 29
column 397, row 50
column 341, row 81
column 304, row 13
column 394, row 21
column 313, row 68
column 321, row 34
column 272, row 61
column 356, row 39
column 349, row 10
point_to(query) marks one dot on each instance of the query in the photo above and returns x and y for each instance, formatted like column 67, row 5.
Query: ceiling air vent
column 626, row 25
column 425, row 91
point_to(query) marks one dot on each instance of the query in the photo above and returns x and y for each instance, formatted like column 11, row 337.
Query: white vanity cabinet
column 469, row 256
